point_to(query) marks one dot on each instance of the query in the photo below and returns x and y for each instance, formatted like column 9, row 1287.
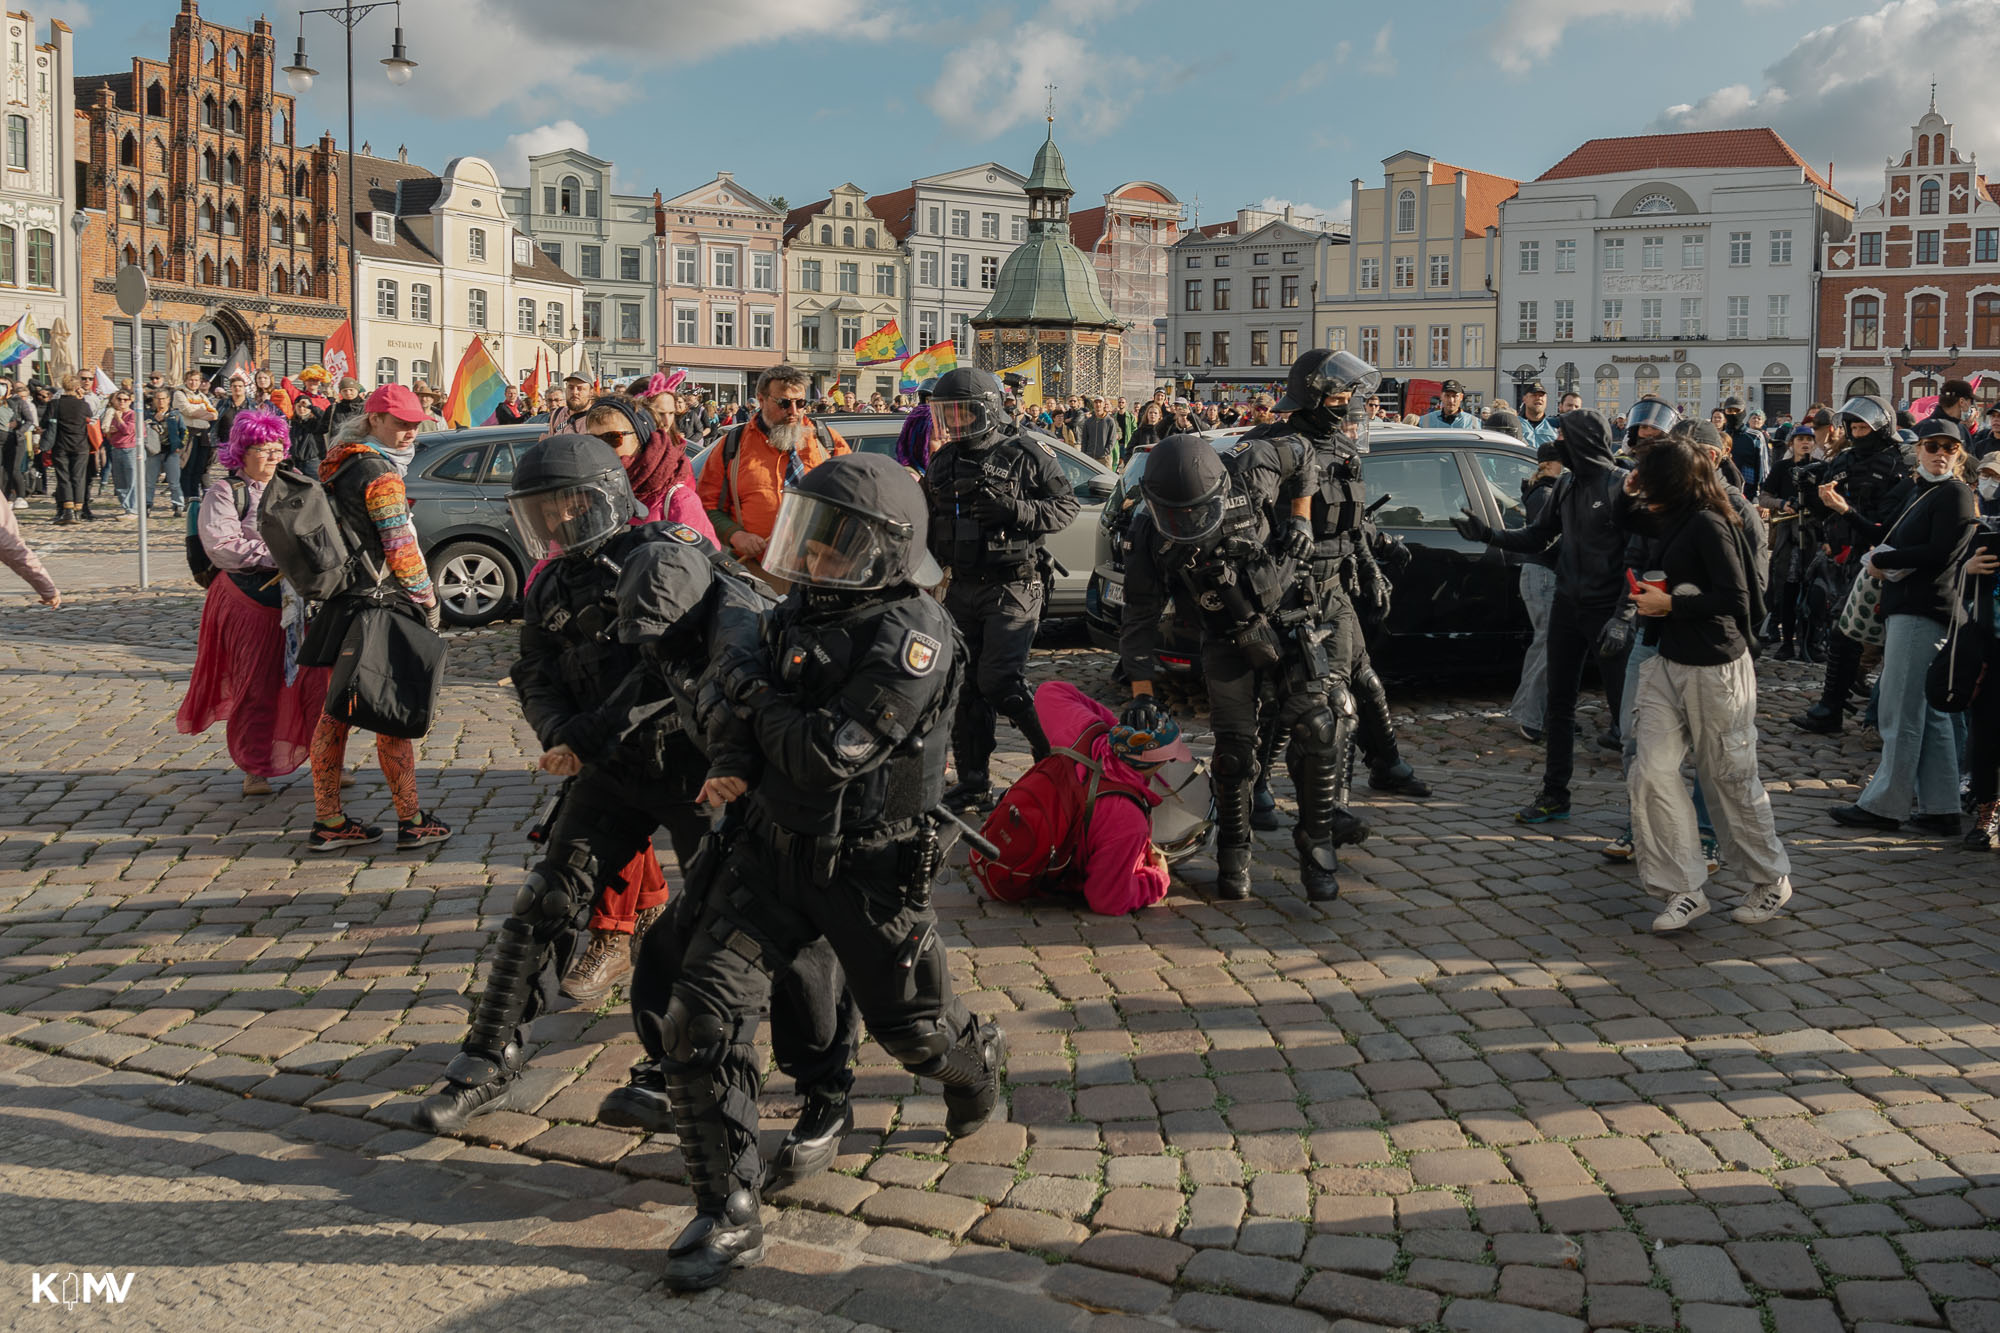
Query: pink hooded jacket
column 1120, row 873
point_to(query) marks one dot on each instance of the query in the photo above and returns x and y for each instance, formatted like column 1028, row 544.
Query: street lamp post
column 300, row 74
column 552, row 335
column 1930, row 370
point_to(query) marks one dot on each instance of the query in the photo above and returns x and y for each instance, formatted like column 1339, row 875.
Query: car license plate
column 1114, row 594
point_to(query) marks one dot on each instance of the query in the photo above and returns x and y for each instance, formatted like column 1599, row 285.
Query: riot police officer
column 605, row 717
column 1325, row 395
column 845, row 699
column 1854, row 497
column 994, row 493
column 1225, row 537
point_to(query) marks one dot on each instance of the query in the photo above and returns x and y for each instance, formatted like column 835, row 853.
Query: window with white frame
column 383, row 228
column 1531, row 256
column 475, row 243
column 1694, row 250
column 763, row 329
column 1406, row 345
column 475, row 308
column 811, row 277
column 1525, row 323
column 1371, row 275
column 628, row 263
column 420, row 302
column 1738, row 317
column 961, row 270
column 687, row 265
column 1475, row 346
column 1440, row 270
column 1371, row 344
column 927, row 267
column 1336, row 338
column 554, row 316
column 420, row 372
column 1440, row 344
column 1649, row 316
column 1927, row 247
column 1781, row 246
column 1652, row 252
column 1020, row 232
column 1406, row 211
column 524, row 315
column 1614, row 254
column 989, row 272
column 961, row 222
column 1562, row 318
column 847, row 278
column 989, row 226
column 385, row 370
column 763, row 271
column 593, row 320
column 850, row 332
column 927, row 328
column 687, row 325
column 1739, row 249
column 809, row 333
column 1406, row 272
column 1566, row 256
column 1690, row 317
column 385, row 298
column 1778, row 316
column 885, row 279
column 590, row 261
column 724, row 325
column 961, row 332
column 1614, row 319
column 628, row 321
column 935, row 229
column 724, row 268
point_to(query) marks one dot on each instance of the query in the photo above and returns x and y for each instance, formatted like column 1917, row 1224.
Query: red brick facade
column 189, row 168
column 1921, row 269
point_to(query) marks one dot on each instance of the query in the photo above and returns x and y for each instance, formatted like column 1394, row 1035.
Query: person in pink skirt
column 244, row 669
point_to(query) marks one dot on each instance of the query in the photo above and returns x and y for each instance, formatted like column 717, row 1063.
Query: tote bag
column 1860, row 618
column 388, row 675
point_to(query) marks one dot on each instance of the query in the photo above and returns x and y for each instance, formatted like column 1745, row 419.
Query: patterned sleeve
column 389, row 509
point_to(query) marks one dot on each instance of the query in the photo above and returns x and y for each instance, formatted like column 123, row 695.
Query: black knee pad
column 692, row 1039
column 917, row 1047
column 1235, row 759
column 1340, row 698
column 560, row 883
column 1316, row 729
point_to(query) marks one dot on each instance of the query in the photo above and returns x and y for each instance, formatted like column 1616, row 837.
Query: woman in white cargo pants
column 1700, row 693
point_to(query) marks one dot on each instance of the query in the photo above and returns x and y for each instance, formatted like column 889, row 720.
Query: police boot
column 1023, row 716
column 725, row 1235
column 641, row 1104
column 727, row 1231
column 970, row 1072
column 1232, row 840
column 485, row 1074
column 1316, row 776
column 812, row 1144
column 1375, row 733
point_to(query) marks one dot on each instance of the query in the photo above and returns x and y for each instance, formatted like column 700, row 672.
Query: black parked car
column 1457, row 605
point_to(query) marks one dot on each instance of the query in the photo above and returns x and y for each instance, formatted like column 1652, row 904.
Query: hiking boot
column 640, row 925
column 605, row 960
column 967, row 1109
column 641, row 1104
column 1543, row 809
column 416, row 832
column 1984, row 835
column 1853, row 816
column 972, row 793
column 1762, row 903
column 715, row 1243
column 1232, row 873
column 1681, row 909
column 811, row 1145
column 347, row 833
column 1400, row 779
column 1619, row 848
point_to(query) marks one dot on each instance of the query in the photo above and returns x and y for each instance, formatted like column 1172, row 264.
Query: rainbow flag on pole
column 477, row 389
column 17, row 343
column 881, row 347
column 928, row 364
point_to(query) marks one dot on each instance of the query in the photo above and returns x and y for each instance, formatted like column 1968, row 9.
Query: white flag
column 103, row 387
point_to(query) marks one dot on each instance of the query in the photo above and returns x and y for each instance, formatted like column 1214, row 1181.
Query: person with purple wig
column 245, row 663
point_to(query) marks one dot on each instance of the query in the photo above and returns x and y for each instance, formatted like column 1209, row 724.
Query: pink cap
column 398, row 402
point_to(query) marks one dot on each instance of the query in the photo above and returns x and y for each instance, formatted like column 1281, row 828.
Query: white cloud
column 1530, row 30
column 1274, row 203
column 996, row 81
column 1847, row 91
column 1379, row 59
column 512, row 162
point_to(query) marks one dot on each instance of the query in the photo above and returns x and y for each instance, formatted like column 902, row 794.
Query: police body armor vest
column 814, row 657
column 1234, row 579
column 1337, row 508
column 976, row 551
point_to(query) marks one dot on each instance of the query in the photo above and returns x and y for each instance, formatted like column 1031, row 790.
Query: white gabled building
column 957, row 227
column 1676, row 264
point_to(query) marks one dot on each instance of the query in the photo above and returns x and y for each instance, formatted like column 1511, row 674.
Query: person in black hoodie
column 1778, row 499
column 1590, row 586
column 1918, row 560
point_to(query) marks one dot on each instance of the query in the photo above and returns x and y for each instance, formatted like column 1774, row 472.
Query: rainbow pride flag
column 17, row 343
column 928, row 364
column 477, row 389
column 881, row 347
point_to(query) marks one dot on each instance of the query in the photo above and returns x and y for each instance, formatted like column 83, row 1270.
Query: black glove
column 1472, row 527
column 742, row 675
column 997, row 511
column 1296, row 541
column 1143, row 714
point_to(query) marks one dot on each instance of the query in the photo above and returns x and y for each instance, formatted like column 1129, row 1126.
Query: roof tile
column 1761, row 147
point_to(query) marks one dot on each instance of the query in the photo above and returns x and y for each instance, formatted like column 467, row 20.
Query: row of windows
column 227, row 274
column 590, row 260
column 568, row 198
column 1219, row 342
column 1929, row 249
column 1257, row 259
column 1924, row 327
column 386, row 372
column 723, row 267
column 961, row 225
column 1472, row 338
column 228, row 168
column 958, row 265
column 1653, row 251
column 1403, row 270
column 847, row 236
column 1260, row 293
column 723, row 330
column 1652, row 318
column 847, row 278
column 1729, row 383
column 41, row 257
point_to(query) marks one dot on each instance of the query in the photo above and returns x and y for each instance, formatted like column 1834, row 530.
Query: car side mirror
column 1100, row 487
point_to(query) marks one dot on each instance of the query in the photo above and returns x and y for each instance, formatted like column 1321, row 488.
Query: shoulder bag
column 389, row 673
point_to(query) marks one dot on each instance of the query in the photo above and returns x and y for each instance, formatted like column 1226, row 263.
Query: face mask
column 401, row 458
column 1989, row 487
column 1925, row 474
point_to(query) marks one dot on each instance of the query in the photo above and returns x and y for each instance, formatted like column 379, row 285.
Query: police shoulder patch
column 920, row 653
column 1047, row 452
column 1242, row 445
column 681, row 532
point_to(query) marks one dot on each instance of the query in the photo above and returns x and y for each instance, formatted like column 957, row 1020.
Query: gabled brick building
column 1917, row 283
column 191, row 168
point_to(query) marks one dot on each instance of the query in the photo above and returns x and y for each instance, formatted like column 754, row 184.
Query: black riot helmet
column 1185, row 486
column 569, row 496
column 855, row 523
column 1321, row 372
column 1654, row 412
column 1871, row 412
column 968, row 408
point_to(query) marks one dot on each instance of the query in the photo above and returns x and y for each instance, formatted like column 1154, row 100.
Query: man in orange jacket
column 744, row 479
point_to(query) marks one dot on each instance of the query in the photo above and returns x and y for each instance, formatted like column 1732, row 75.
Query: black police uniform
column 1260, row 635
column 582, row 687
column 996, row 589
column 1869, row 472
column 845, row 698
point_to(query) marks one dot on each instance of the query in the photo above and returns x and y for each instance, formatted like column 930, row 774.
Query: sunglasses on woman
column 1938, row 446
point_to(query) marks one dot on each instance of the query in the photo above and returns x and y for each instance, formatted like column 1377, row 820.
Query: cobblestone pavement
column 1476, row 1093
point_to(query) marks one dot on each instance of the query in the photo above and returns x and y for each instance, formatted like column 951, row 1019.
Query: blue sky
column 1235, row 103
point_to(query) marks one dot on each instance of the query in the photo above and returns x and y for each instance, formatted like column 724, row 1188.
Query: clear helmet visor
column 1356, row 424
column 962, row 419
column 570, row 519
column 1181, row 822
column 1188, row 523
column 1652, row 412
column 826, row 546
column 1868, row 412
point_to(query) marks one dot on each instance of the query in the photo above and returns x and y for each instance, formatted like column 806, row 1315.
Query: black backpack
column 309, row 544
column 199, row 564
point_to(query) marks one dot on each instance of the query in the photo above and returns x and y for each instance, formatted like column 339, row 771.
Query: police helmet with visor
column 1320, row 372
column 1870, row 412
column 569, row 495
column 1186, row 487
column 968, row 408
column 855, row 523
column 1653, row 412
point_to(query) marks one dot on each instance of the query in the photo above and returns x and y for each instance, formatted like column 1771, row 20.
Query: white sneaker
column 1681, row 909
column 1762, row 903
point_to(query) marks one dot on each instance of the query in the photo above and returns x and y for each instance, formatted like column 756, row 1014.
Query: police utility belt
column 821, row 853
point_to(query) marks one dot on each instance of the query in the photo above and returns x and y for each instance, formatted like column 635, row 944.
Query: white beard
column 788, row 437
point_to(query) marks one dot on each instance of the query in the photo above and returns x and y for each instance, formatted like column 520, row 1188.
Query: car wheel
column 476, row 583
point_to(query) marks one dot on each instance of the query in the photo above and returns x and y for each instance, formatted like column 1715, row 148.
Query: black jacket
column 1928, row 539
column 69, row 425
column 1710, row 587
column 1536, row 493
column 1590, row 569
